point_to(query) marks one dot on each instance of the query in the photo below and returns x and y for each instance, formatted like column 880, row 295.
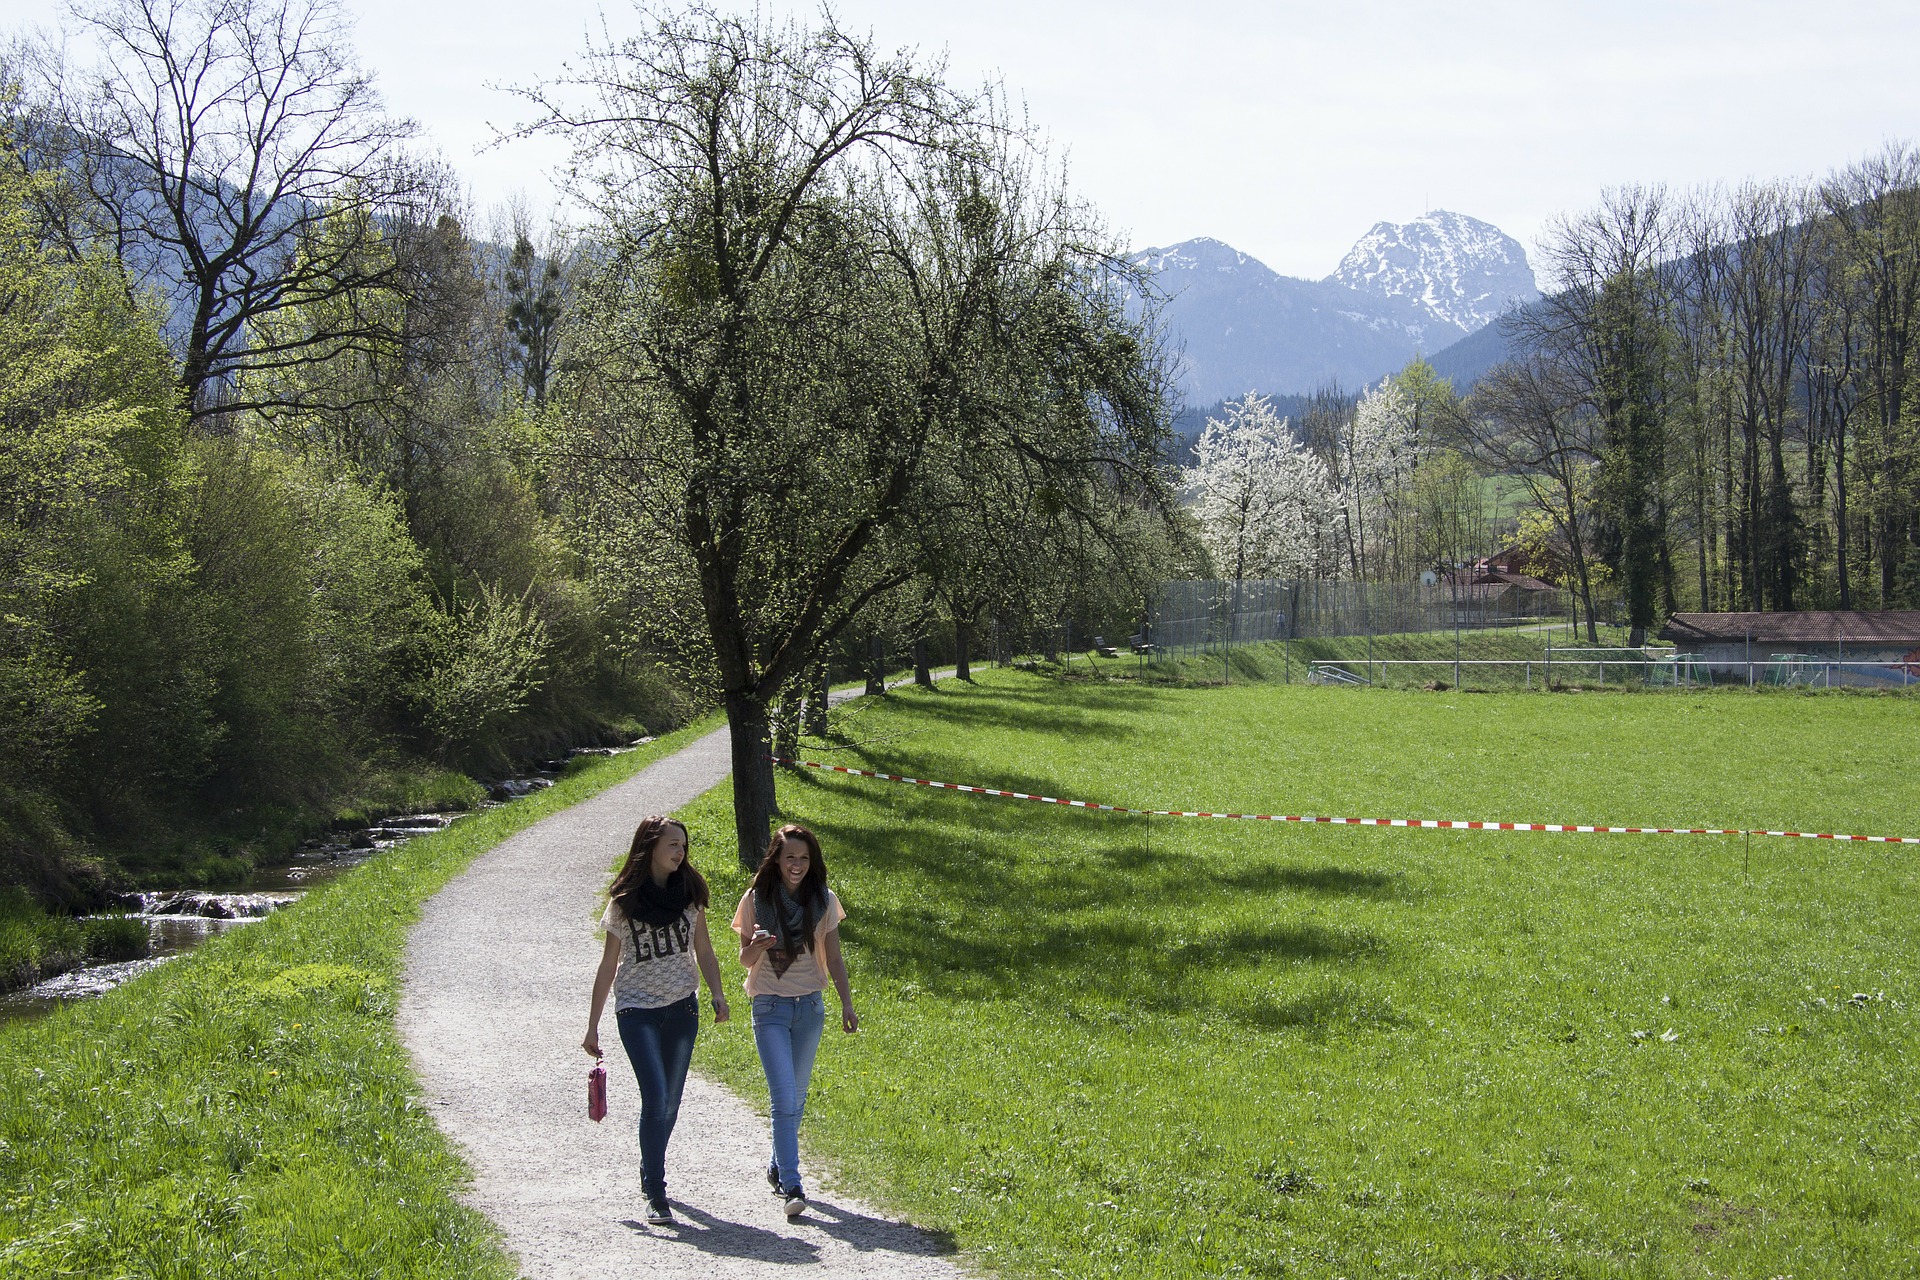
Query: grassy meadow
column 248, row 1110
column 1091, row 1047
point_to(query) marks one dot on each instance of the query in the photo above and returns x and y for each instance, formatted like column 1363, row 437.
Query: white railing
column 1657, row 668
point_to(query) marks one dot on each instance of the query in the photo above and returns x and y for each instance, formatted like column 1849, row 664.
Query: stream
column 180, row 920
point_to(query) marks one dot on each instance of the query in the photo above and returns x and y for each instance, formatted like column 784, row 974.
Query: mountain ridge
column 1402, row 289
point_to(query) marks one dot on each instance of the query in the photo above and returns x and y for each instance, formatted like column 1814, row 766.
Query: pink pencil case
column 597, row 1092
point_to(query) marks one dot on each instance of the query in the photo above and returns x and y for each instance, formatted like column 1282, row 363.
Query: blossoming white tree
column 1265, row 504
column 1376, row 457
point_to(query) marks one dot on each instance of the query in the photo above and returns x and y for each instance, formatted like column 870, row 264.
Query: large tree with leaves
column 817, row 270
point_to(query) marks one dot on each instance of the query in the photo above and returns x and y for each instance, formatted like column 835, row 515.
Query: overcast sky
column 1285, row 129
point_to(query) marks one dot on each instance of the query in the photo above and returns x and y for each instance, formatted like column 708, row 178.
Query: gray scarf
column 788, row 919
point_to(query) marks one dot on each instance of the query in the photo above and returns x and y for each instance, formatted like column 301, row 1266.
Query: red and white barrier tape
column 1434, row 824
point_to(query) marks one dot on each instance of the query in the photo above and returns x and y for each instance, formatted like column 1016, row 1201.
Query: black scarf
column 788, row 919
column 656, row 905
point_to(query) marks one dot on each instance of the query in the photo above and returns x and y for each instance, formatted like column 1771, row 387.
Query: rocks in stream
column 179, row 920
column 547, row 771
column 214, row 906
column 510, row 789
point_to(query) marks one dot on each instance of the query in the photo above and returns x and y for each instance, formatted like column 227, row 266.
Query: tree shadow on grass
column 1326, row 881
column 1105, row 697
column 981, row 898
column 903, row 830
column 1109, row 956
column 1319, row 1012
column 892, row 802
column 973, row 851
column 1111, row 706
column 1055, row 718
column 1254, row 944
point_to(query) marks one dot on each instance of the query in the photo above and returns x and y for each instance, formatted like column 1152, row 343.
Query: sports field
column 1091, row 1047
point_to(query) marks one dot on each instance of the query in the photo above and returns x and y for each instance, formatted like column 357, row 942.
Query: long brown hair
column 639, row 864
column 813, row 889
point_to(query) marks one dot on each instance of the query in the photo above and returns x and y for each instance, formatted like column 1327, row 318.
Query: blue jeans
column 786, row 1031
column 659, row 1043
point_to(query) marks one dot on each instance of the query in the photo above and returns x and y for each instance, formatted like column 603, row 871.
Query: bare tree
column 1702, row 421
column 1770, row 320
column 1530, row 420
column 1606, row 322
column 1875, row 210
column 236, row 158
column 1835, row 375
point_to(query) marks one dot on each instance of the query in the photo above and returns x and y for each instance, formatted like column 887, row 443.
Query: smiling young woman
column 789, row 927
column 656, row 926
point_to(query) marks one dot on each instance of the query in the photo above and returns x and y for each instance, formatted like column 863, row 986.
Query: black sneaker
column 659, row 1214
column 795, row 1202
column 773, row 1178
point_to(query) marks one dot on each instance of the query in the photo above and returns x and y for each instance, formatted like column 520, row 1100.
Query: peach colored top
column 805, row 974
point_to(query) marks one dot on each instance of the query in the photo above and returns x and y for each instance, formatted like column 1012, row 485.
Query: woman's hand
column 592, row 1043
column 758, row 945
column 720, row 1011
column 837, row 970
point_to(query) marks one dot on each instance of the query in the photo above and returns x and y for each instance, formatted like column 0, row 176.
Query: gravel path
column 492, row 1009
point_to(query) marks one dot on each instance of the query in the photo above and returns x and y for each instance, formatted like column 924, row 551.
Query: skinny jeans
column 786, row 1031
column 659, row 1044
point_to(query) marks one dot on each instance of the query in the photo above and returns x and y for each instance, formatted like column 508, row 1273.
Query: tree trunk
column 752, row 776
column 1586, row 594
column 1840, row 513
column 962, row 643
column 817, row 700
column 786, row 725
column 876, row 667
column 922, row 673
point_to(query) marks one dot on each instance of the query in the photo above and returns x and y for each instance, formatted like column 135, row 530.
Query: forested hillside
column 226, row 621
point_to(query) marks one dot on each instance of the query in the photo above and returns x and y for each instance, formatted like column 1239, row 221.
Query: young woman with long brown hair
column 656, row 927
column 789, row 927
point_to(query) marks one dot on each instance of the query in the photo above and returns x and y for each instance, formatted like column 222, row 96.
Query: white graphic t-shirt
column 658, row 970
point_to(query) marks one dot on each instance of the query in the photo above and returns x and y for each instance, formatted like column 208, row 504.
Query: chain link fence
column 1187, row 619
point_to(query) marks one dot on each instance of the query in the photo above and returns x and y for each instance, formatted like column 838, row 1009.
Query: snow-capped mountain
column 1458, row 270
column 1401, row 290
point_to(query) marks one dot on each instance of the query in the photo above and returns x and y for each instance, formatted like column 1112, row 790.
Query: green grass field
column 248, row 1111
column 1218, row 1048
